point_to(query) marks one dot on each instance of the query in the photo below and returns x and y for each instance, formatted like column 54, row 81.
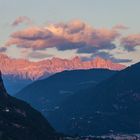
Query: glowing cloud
column 65, row 36
column 120, row 27
column 130, row 42
column 21, row 19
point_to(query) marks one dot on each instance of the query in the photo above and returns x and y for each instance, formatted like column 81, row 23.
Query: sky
column 42, row 29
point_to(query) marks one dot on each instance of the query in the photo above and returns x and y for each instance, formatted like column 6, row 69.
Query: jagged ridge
column 34, row 70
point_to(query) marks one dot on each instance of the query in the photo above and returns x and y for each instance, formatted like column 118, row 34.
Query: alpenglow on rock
column 34, row 70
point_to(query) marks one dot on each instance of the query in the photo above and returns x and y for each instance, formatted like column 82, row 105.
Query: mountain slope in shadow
column 19, row 121
column 46, row 95
column 112, row 106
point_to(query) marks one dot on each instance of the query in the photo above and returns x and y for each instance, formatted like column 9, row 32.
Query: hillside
column 112, row 106
column 46, row 95
column 19, row 121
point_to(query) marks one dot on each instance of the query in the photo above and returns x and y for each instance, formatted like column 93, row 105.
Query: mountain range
column 18, row 73
column 35, row 70
column 112, row 106
column 19, row 121
column 46, row 95
column 14, row 83
column 100, row 106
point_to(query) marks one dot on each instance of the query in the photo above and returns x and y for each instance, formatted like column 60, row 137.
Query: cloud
column 21, row 19
column 92, row 49
column 121, row 60
column 65, row 36
column 120, row 27
column 3, row 49
column 107, row 56
column 38, row 55
column 130, row 42
column 35, row 38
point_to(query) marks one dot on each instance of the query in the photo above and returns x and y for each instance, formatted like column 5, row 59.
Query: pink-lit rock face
column 34, row 70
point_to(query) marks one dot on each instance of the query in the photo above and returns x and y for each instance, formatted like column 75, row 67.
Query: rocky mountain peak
column 33, row 70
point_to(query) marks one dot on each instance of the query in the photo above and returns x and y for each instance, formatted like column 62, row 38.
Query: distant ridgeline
column 108, row 104
column 112, row 106
column 18, row 73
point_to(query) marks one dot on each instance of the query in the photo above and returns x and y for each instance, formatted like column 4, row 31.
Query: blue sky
column 97, row 13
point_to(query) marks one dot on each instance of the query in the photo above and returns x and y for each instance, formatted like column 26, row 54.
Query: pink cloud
column 21, row 19
column 131, row 41
column 64, row 36
column 120, row 27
